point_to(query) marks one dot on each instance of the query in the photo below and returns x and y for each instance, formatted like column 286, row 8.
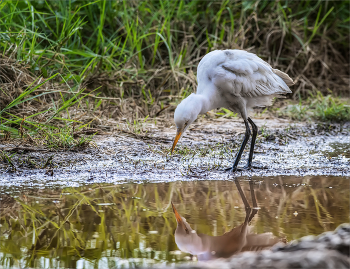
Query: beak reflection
column 179, row 219
column 177, row 215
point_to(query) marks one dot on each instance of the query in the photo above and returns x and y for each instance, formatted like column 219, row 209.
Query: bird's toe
column 247, row 167
column 231, row 169
column 250, row 167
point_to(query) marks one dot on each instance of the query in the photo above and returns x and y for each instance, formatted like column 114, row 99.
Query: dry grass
column 104, row 64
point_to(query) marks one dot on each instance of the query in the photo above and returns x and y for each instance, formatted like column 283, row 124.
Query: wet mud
column 203, row 153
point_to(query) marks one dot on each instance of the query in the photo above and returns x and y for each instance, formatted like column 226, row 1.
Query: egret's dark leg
column 241, row 193
column 244, row 143
column 255, row 204
column 247, row 207
column 251, row 152
column 249, row 211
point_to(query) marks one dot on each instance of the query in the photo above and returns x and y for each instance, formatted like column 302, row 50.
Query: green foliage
column 63, row 138
column 82, row 35
column 330, row 109
column 319, row 107
column 148, row 51
column 226, row 113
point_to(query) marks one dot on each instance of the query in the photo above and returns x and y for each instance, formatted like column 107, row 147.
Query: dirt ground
column 204, row 152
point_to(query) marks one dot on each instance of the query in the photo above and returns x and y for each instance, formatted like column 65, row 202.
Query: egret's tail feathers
column 287, row 79
column 257, row 242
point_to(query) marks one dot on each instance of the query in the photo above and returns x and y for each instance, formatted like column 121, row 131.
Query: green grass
column 131, row 59
column 63, row 138
column 318, row 107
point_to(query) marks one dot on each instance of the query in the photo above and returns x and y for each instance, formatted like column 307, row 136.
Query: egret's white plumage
column 233, row 79
column 238, row 239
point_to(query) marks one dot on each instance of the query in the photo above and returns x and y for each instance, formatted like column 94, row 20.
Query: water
column 339, row 149
column 107, row 226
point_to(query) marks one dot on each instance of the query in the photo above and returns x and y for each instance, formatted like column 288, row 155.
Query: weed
column 138, row 126
column 63, row 138
column 141, row 56
column 8, row 159
column 225, row 113
column 319, row 107
column 329, row 108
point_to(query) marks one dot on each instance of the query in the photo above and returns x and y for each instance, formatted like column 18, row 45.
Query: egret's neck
column 190, row 243
column 211, row 99
column 189, row 109
column 201, row 102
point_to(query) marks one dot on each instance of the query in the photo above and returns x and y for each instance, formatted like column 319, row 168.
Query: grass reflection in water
column 133, row 224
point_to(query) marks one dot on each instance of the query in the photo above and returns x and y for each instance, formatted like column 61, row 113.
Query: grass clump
column 318, row 107
column 105, row 62
column 64, row 138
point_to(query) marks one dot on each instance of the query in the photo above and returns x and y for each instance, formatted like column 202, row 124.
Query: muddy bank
column 210, row 146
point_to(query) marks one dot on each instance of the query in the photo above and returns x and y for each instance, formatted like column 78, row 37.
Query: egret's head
column 186, row 238
column 186, row 113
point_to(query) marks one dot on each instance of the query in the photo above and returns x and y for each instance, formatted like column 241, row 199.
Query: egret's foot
column 250, row 167
column 231, row 169
column 245, row 168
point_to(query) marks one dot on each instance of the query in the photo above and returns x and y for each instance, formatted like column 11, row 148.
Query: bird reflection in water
column 239, row 239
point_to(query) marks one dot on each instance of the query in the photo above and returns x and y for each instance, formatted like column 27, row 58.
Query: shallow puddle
column 339, row 149
column 125, row 225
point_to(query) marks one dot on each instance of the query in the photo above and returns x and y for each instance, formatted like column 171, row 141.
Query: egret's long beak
column 177, row 215
column 179, row 219
column 177, row 137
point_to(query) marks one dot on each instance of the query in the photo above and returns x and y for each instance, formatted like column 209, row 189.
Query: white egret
column 237, row 240
column 236, row 80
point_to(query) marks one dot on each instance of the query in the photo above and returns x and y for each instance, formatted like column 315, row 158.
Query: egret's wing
column 257, row 242
column 287, row 79
column 245, row 74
